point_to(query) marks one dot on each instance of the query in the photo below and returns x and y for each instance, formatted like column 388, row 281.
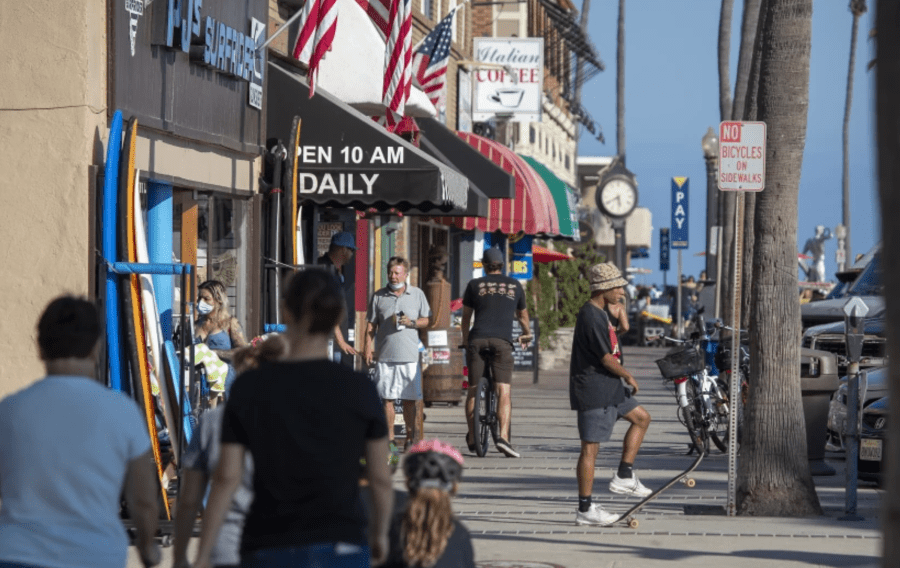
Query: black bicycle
column 486, row 400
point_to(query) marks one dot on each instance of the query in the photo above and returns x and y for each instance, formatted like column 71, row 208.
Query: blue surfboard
column 173, row 368
column 108, row 238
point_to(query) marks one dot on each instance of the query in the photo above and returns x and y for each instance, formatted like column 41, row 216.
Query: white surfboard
column 152, row 325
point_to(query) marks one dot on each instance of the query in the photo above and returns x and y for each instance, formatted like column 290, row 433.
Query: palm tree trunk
column 620, row 84
column 773, row 473
column 726, row 199
column 858, row 8
column 887, row 77
column 745, row 108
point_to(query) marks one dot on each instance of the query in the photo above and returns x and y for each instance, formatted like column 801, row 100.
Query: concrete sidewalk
column 521, row 511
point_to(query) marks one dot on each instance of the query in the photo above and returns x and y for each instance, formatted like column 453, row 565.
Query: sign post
column 742, row 168
column 680, row 202
column 664, row 252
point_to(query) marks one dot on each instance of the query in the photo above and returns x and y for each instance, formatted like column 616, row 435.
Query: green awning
column 568, row 217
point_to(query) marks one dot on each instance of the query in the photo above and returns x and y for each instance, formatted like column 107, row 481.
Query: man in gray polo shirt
column 394, row 315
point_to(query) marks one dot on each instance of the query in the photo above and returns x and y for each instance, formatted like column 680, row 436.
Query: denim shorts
column 596, row 425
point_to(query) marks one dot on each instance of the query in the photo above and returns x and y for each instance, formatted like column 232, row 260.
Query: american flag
column 316, row 35
column 393, row 19
column 430, row 60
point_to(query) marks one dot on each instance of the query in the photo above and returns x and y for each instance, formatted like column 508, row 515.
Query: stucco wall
column 53, row 122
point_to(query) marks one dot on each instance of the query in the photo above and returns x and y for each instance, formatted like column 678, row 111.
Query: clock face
column 618, row 197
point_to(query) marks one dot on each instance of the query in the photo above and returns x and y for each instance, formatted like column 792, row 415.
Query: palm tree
column 726, row 199
column 745, row 109
column 773, row 472
column 858, row 8
column 887, row 77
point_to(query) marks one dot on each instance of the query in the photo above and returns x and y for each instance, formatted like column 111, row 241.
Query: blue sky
column 671, row 91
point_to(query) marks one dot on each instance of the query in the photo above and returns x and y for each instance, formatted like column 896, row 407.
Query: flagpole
column 281, row 29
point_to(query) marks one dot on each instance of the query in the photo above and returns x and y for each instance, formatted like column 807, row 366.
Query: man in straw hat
column 597, row 391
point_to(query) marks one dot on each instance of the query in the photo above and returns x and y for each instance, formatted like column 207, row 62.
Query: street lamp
column 710, row 145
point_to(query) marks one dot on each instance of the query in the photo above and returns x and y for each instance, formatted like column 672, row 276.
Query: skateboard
column 683, row 477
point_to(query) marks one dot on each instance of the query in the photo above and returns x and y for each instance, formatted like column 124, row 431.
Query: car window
column 838, row 291
column 868, row 283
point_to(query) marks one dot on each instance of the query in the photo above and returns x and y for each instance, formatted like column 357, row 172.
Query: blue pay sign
column 664, row 249
column 679, row 237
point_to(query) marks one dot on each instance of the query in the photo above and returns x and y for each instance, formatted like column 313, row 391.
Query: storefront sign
column 215, row 44
column 512, row 83
column 344, row 158
column 191, row 68
column 522, row 264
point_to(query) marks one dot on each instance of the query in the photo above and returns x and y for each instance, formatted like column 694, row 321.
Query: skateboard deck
column 628, row 516
column 134, row 319
column 114, row 348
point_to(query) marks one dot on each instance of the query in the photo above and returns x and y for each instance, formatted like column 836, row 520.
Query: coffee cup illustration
column 509, row 97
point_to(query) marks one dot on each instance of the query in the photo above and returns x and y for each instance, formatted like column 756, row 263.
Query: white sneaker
column 595, row 516
column 631, row 486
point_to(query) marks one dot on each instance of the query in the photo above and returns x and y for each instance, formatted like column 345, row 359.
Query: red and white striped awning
column 532, row 211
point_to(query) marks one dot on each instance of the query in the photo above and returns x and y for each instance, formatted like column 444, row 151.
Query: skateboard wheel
column 690, row 482
column 633, row 523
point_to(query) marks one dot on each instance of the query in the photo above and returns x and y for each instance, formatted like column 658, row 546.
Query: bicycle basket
column 681, row 363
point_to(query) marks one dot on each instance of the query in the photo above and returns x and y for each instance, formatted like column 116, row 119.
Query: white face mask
column 397, row 286
column 204, row 308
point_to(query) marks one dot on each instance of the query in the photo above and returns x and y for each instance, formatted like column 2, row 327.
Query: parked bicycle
column 701, row 375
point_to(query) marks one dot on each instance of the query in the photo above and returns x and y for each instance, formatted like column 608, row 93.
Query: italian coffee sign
column 510, row 85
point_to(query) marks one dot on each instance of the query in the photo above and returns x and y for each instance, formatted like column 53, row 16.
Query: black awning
column 478, row 201
column 346, row 159
column 488, row 176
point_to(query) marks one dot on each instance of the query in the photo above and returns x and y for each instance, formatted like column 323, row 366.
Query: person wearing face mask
column 219, row 330
column 339, row 255
column 394, row 315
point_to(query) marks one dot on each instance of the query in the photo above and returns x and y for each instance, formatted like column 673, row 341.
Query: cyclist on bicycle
column 494, row 299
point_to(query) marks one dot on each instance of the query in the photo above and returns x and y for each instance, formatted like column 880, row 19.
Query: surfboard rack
column 186, row 347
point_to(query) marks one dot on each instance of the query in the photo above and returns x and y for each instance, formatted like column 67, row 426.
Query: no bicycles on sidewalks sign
column 742, row 156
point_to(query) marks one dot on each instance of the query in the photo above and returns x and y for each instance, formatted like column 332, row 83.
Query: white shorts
column 398, row 380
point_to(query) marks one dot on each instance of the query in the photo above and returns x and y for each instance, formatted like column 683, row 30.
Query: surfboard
column 173, row 367
column 114, row 349
column 289, row 199
column 131, row 294
column 152, row 325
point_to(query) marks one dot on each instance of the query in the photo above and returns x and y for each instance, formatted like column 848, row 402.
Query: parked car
column 867, row 285
column 832, row 337
column 872, row 440
column 873, row 386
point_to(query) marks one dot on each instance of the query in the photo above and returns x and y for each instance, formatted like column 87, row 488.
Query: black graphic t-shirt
column 495, row 298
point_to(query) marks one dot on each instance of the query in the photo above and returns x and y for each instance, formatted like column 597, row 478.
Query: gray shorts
column 596, row 425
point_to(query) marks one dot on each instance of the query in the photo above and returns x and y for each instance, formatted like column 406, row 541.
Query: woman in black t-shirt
column 306, row 421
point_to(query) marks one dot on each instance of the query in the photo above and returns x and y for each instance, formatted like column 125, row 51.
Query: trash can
column 818, row 381
column 442, row 380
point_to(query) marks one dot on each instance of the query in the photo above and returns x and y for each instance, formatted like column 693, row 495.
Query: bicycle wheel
column 481, row 416
column 692, row 417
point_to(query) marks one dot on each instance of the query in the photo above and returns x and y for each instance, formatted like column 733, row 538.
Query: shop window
column 210, row 231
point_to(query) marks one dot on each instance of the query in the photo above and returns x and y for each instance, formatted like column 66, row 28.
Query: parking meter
column 855, row 311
